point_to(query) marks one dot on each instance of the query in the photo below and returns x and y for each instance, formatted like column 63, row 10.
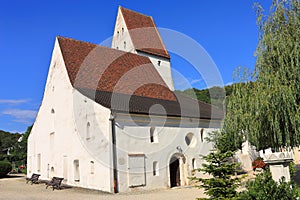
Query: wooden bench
column 55, row 183
column 33, row 179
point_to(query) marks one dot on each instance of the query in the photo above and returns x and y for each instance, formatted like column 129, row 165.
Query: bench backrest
column 35, row 176
column 57, row 180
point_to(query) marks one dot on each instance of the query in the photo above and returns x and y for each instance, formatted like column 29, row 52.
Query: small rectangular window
column 38, row 162
column 29, row 164
column 52, row 141
column 92, row 167
column 76, row 171
column 155, row 168
column 153, row 135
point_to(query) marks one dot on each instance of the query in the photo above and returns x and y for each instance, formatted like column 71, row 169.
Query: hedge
column 5, row 167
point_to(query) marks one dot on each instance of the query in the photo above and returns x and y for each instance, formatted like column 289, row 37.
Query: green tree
column 222, row 184
column 19, row 153
column 265, row 188
column 266, row 109
column 276, row 99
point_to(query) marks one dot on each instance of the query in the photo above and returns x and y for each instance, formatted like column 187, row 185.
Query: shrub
column 292, row 169
column 265, row 188
column 5, row 167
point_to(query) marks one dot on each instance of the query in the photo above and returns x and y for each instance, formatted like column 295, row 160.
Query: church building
column 110, row 119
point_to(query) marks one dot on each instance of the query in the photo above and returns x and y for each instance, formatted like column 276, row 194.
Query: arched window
column 194, row 164
column 92, row 167
column 52, row 120
column 153, row 135
column 52, row 172
column 124, row 44
column 155, row 168
column 122, row 31
column 190, row 140
column 88, row 134
column 201, row 134
column 158, row 63
column 39, row 161
column 48, row 170
column 52, row 140
column 76, row 171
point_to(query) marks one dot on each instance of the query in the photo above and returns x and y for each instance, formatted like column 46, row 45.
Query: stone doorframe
column 182, row 168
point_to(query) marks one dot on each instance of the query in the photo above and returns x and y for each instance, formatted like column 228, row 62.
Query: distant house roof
column 126, row 82
column 144, row 34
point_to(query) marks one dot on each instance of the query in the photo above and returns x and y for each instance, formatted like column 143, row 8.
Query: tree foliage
column 5, row 167
column 17, row 148
column 266, row 109
column 214, row 95
column 222, row 184
column 7, row 141
column 265, row 188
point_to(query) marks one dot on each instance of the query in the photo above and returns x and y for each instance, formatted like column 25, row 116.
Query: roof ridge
column 159, row 36
column 125, row 52
column 114, row 66
column 68, row 38
column 136, row 12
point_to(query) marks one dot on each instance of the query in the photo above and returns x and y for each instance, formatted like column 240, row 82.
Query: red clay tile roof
column 144, row 34
column 126, row 82
column 94, row 67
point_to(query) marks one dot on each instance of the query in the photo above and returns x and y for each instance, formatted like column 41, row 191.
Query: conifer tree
column 222, row 184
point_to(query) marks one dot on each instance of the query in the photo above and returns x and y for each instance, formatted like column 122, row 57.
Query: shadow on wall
column 296, row 177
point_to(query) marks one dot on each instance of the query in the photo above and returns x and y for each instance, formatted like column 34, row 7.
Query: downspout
column 114, row 153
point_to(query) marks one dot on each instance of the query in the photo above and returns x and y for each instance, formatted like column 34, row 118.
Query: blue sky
column 225, row 29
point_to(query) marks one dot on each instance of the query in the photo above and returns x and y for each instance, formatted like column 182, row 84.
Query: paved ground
column 15, row 188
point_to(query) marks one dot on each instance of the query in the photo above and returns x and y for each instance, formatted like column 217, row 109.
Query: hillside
column 8, row 140
column 13, row 147
column 214, row 95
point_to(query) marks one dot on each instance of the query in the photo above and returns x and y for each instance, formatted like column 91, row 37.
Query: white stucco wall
column 121, row 35
column 133, row 137
column 163, row 66
column 72, row 128
column 58, row 136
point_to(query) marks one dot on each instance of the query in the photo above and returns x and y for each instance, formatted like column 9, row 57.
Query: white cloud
column 196, row 81
column 13, row 101
column 23, row 116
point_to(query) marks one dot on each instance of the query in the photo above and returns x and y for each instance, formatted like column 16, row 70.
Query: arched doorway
column 174, row 168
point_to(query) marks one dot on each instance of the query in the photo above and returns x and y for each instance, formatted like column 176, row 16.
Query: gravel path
column 16, row 188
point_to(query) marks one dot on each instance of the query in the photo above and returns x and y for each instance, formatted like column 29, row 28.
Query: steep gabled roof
column 144, row 34
column 94, row 67
column 126, row 82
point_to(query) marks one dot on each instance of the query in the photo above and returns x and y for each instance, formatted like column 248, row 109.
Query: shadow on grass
column 12, row 176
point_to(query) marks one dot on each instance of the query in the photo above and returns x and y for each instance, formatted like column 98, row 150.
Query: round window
column 190, row 140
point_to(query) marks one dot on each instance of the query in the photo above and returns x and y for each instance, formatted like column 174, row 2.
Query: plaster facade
column 96, row 147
